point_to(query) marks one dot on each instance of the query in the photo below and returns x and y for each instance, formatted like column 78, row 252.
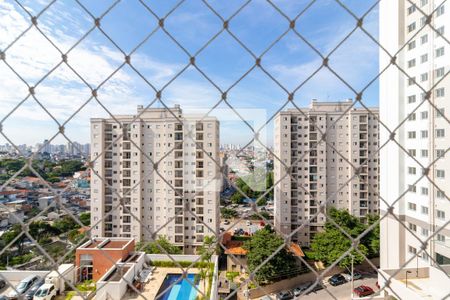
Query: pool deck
column 151, row 289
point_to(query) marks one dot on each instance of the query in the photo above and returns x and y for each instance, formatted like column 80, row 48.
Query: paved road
column 341, row 292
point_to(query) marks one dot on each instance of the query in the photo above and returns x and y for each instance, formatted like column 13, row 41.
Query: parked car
column 301, row 288
column 356, row 276
column 337, row 279
column 23, row 286
column 285, row 295
column 2, row 284
column 316, row 287
column 363, row 290
column 226, row 222
column 46, row 292
column 248, row 223
column 30, row 293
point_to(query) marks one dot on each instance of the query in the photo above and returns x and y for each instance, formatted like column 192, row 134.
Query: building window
column 440, row 238
column 411, row 63
column 412, row 27
column 440, row 112
column 411, row 170
column 440, row 92
column 440, row 214
column 440, row 72
column 411, row 81
column 412, row 117
column 423, row 2
column 411, row 9
column 424, row 153
column 440, row 152
column 411, row 45
column 424, row 115
column 424, row 191
column 412, row 99
column 412, row 206
column 413, row 227
column 424, row 134
column 412, row 152
column 440, row 52
column 424, row 77
column 440, row 31
column 424, row 231
column 440, row 174
column 440, row 194
column 412, row 188
column 412, row 250
column 440, row 133
column 439, row 11
column 424, row 210
column 411, row 134
column 424, row 58
column 424, row 39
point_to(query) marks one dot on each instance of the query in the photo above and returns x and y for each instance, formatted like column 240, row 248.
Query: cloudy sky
column 36, row 61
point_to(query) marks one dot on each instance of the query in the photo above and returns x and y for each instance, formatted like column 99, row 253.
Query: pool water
column 182, row 290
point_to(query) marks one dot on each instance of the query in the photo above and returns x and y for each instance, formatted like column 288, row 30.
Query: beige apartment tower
column 320, row 172
column 162, row 164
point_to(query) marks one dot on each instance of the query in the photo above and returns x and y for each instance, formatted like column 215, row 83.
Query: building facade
column 414, row 180
column 319, row 171
column 163, row 166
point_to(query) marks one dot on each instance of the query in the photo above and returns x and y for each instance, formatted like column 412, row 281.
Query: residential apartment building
column 415, row 240
column 177, row 197
column 320, row 171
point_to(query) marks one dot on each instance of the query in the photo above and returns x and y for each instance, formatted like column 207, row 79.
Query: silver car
column 23, row 286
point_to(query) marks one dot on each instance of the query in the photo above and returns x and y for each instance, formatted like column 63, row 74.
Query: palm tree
column 206, row 252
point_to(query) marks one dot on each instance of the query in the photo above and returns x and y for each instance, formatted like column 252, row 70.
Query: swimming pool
column 182, row 290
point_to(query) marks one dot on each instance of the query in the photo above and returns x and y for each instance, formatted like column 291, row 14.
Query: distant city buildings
column 313, row 172
column 173, row 200
column 69, row 150
column 415, row 100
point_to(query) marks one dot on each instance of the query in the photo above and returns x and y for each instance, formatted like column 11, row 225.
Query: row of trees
column 254, row 186
column 328, row 246
column 44, row 232
column 49, row 170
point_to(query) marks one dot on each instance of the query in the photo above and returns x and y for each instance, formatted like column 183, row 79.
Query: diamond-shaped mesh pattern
column 67, row 57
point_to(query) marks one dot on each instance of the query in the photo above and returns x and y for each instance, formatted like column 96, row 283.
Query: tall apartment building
column 423, row 207
column 187, row 180
column 319, row 172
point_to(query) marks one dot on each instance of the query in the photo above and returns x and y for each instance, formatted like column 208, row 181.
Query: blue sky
column 159, row 59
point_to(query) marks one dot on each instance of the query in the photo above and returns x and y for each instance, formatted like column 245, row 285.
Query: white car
column 45, row 292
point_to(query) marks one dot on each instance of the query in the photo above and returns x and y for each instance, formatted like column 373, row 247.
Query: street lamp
column 407, row 272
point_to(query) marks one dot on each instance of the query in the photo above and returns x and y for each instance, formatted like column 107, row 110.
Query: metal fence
column 291, row 27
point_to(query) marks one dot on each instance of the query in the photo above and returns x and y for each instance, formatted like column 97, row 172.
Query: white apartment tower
column 415, row 239
column 179, row 198
column 320, row 172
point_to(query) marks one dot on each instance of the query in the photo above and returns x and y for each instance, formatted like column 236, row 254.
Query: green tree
column 85, row 218
column 228, row 213
column 329, row 245
column 11, row 234
column 262, row 245
column 65, row 224
column 206, row 251
column 152, row 247
column 41, row 231
column 237, row 198
column 261, row 202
